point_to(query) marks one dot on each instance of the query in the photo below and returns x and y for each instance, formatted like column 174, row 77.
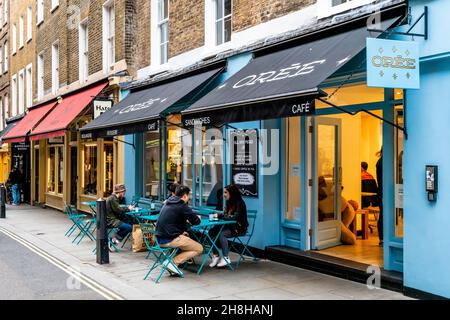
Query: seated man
column 171, row 228
column 368, row 184
column 115, row 214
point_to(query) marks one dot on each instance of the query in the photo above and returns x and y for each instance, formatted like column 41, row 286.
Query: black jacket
column 173, row 218
column 240, row 216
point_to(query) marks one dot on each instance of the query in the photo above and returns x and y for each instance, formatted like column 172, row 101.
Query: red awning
column 59, row 119
column 31, row 119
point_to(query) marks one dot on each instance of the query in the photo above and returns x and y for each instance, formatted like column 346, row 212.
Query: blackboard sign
column 244, row 157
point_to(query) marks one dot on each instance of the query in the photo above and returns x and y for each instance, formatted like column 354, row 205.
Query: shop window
column 352, row 95
column 174, row 154
column 152, row 164
column 208, row 168
column 60, row 169
column 51, row 170
column 90, row 170
column 108, row 155
column 55, row 165
column 292, row 169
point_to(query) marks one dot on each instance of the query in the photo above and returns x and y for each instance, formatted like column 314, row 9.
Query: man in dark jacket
column 15, row 179
column 171, row 228
column 116, row 215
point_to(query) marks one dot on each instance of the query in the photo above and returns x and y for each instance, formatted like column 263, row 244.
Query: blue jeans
column 124, row 230
column 15, row 194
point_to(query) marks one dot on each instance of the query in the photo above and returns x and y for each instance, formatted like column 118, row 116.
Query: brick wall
column 26, row 54
column 140, row 48
column 4, row 76
column 186, row 25
column 52, row 29
column 248, row 13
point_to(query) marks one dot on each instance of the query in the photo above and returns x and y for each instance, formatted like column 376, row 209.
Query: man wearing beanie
column 116, row 215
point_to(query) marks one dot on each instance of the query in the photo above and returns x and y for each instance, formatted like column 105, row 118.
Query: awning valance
column 58, row 120
column 280, row 84
column 142, row 108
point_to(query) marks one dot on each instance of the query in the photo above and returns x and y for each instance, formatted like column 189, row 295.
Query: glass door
column 327, row 181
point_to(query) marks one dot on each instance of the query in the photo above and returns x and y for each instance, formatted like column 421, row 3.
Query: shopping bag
column 138, row 239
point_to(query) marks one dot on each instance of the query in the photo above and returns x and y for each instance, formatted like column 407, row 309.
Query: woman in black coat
column 235, row 209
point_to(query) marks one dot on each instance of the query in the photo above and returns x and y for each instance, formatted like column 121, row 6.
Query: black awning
column 142, row 108
column 280, row 84
column 8, row 128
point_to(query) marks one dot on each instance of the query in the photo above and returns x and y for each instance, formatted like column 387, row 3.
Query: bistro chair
column 80, row 222
column 240, row 243
column 164, row 256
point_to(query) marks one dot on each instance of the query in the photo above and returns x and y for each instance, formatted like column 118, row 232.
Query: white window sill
column 28, row 40
column 54, row 8
column 21, row 47
column 326, row 10
column 39, row 23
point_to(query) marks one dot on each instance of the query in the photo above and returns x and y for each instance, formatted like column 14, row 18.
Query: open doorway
column 347, row 150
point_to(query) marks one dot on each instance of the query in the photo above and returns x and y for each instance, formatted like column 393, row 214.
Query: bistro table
column 205, row 225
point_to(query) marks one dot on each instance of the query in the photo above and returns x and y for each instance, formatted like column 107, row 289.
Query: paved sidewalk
column 264, row 279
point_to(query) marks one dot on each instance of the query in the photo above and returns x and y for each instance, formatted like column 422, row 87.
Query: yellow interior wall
column 361, row 139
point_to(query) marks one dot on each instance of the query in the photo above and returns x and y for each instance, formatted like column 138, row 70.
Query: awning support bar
column 368, row 112
column 424, row 15
column 130, row 144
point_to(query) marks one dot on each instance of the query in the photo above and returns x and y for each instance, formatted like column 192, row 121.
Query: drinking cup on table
column 211, row 217
column 216, row 216
column 152, row 206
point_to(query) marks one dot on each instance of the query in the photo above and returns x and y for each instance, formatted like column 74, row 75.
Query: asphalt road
column 24, row 275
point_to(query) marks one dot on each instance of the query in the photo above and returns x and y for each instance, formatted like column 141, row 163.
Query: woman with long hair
column 235, row 209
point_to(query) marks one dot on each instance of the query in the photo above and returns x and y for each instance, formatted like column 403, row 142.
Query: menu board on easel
column 244, row 156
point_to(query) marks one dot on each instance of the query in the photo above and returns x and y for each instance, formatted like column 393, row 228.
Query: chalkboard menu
column 244, row 156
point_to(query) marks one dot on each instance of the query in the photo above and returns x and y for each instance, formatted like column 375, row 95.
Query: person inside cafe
column 326, row 210
column 235, row 209
column 172, row 228
column 368, row 185
column 116, row 214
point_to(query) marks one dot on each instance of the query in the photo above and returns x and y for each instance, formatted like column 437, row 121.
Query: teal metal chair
column 80, row 222
column 244, row 240
column 164, row 256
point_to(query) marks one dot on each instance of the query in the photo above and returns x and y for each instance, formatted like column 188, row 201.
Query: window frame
column 21, row 31
column 39, row 11
column 29, row 23
column 55, row 5
column 160, row 23
column 222, row 20
column 6, row 61
column 21, row 92
column 83, row 54
column 29, row 86
column 14, row 39
column 55, row 67
column 14, row 95
column 40, row 75
column 109, row 36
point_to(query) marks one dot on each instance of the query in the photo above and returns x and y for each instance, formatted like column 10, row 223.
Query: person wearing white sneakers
column 235, row 209
column 171, row 229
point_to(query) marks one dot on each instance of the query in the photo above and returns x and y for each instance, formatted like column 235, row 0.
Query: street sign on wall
column 393, row 64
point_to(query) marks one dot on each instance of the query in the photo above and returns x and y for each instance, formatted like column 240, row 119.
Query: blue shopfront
column 306, row 158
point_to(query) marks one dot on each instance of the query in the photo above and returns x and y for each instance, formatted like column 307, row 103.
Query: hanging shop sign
column 244, row 156
column 393, row 64
column 101, row 106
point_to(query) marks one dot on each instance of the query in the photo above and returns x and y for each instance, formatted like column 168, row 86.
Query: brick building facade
column 4, row 62
column 22, row 55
